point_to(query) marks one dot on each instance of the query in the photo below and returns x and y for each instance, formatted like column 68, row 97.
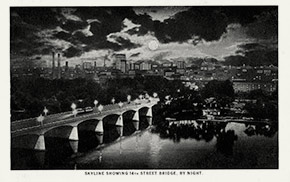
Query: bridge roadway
column 21, row 127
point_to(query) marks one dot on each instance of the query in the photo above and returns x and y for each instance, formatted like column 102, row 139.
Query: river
column 203, row 145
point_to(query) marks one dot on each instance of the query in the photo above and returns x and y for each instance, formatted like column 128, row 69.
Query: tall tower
column 53, row 66
column 58, row 66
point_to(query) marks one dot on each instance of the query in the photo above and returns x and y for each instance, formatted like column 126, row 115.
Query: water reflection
column 207, row 130
column 196, row 130
column 264, row 129
column 153, row 150
column 225, row 142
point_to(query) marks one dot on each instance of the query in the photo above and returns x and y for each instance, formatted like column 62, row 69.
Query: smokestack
column 58, row 66
column 53, row 66
column 66, row 65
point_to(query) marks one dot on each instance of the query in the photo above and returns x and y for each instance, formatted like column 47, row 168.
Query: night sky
column 89, row 33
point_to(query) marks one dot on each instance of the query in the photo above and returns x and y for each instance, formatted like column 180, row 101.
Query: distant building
column 180, row 64
column 117, row 61
column 87, row 65
column 207, row 66
column 244, row 86
column 123, row 67
column 145, row 66
column 169, row 73
column 180, row 70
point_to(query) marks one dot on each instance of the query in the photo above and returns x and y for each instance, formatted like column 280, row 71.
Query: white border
column 282, row 174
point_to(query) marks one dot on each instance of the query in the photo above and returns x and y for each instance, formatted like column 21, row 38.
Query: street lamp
column 100, row 108
column 113, row 100
column 129, row 99
column 140, row 97
column 120, row 104
column 146, row 96
column 40, row 119
column 96, row 103
column 45, row 110
column 74, row 111
column 73, row 106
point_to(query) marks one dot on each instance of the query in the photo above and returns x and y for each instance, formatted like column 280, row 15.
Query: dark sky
column 89, row 33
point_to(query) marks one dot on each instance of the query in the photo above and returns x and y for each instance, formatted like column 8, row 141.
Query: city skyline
column 174, row 32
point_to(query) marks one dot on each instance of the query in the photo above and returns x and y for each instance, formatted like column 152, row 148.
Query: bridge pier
column 100, row 138
column 74, row 145
column 40, row 143
column 74, row 134
column 99, row 128
column 149, row 112
column 120, row 130
column 149, row 116
column 149, row 120
column 136, row 120
column 120, row 121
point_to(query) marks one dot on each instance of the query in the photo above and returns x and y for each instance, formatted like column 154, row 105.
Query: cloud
column 72, row 52
column 160, row 13
column 265, row 26
column 135, row 55
column 181, row 31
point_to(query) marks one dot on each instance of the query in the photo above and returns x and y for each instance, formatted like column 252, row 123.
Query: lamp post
column 120, row 104
column 146, row 96
column 129, row 99
column 113, row 100
column 73, row 106
column 96, row 103
column 74, row 111
column 45, row 110
column 40, row 119
column 100, row 108
column 140, row 96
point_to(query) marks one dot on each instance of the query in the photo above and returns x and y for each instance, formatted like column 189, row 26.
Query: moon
column 153, row 45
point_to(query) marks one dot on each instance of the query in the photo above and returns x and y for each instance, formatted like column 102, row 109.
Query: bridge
column 31, row 134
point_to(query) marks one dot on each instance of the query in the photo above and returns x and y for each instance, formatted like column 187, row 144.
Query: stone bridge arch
column 65, row 131
column 130, row 121
column 113, row 119
column 90, row 133
column 95, row 125
column 113, row 127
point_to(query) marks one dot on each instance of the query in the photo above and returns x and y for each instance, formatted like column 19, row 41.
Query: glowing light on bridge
column 141, row 97
column 101, row 107
column 45, row 110
column 73, row 106
column 120, row 104
column 147, row 96
column 129, row 98
column 75, row 112
column 113, row 100
column 40, row 119
column 96, row 103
